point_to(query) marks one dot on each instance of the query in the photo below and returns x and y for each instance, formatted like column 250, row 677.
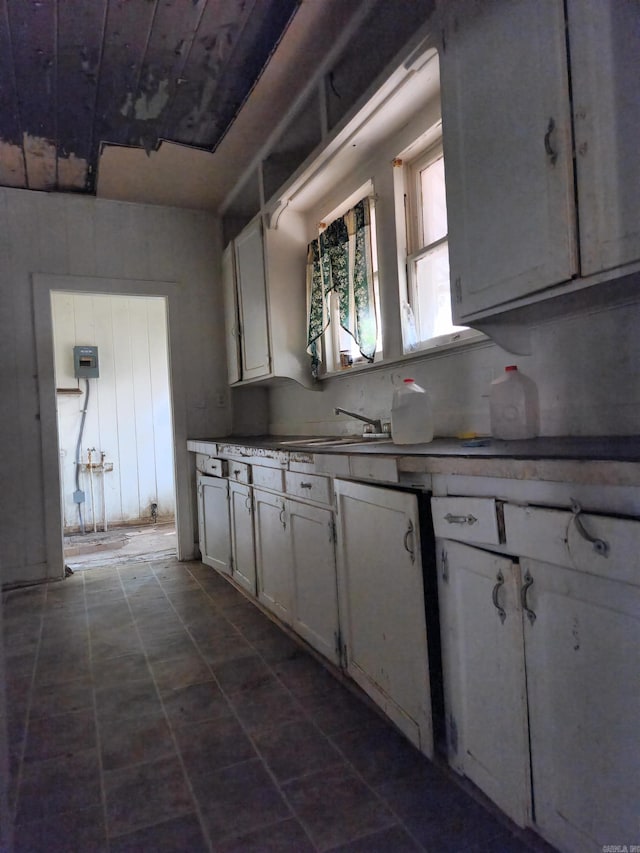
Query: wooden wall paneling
column 133, row 244
column 161, row 405
column 108, row 237
column 161, row 244
column 33, row 33
column 69, row 407
column 143, row 406
column 79, row 48
column 125, row 403
column 52, row 233
column 106, row 402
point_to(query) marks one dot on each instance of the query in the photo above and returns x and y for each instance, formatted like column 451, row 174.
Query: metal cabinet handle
column 247, row 503
column 306, row 485
column 551, row 154
column 236, row 471
column 494, row 597
column 599, row 545
column 283, row 517
column 528, row 581
column 460, row 519
column 407, row 547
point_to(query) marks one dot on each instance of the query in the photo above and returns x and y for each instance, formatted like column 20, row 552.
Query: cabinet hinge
column 333, row 531
column 457, row 290
column 444, row 561
column 337, row 636
column 231, row 562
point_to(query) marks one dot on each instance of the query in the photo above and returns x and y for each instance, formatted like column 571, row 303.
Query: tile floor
column 153, row 708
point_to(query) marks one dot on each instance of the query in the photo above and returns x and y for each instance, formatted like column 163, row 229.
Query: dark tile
column 178, row 583
column 180, row 835
column 137, row 698
column 211, row 629
column 65, row 627
column 180, row 672
column 338, row 710
column 168, row 569
column 296, row 749
column 303, row 674
column 65, row 665
column 251, row 623
column 80, row 830
column 195, row 704
column 276, row 647
column 392, row 840
column 111, row 615
column 266, row 707
column 102, row 579
column 380, row 753
column 425, row 796
column 147, row 596
column 223, row 649
column 212, row 745
column 457, row 828
column 61, row 698
column 67, row 595
column 25, row 600
column 165, row 647
column 336, row 807
column 158, row 623
column 61, row 735
column 145, row 794
column 20, row 662
column 109, row 643
column 284, row 837
column 244, row 673
column 237, row 799
column 135, row 571
column 504, row 843
column 98, row 597
column 134, row 740
column 60, row 785
column 111, row 672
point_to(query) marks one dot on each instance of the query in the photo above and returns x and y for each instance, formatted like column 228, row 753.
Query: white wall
column 129, row 411
column 109, row 247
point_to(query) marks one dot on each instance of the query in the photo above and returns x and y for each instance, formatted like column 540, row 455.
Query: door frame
column 42, row 285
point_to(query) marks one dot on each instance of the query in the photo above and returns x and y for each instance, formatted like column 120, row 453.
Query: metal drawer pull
column 599, row 545
column 551, row 154
column 283, row 517
column 306, row 485
column 407, row 547
column 236, row 471
column 460, row 519
column 528, row 581
column 247, row 503
column 494, row 596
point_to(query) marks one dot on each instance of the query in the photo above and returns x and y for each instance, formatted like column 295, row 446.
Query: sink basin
column 335, row 441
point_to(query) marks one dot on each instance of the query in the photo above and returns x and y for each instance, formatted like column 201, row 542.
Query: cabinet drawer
column 208, row 465
column 308, row 486
column 268, row 478
column 239, row 471
column 562, row 539
column 466, row 519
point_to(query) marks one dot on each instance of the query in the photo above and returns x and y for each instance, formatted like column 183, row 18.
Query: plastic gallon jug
column 513, row 405
column 411, row 414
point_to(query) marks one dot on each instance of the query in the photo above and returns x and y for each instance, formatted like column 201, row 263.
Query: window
column 427, row 309
column 343, row 287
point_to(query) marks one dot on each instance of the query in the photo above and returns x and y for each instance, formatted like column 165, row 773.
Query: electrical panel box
column 85, row 362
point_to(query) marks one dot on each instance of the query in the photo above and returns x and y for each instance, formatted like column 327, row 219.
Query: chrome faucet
column 377, row 424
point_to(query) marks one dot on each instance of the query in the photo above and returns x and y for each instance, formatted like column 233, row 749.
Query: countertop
column 592, row 448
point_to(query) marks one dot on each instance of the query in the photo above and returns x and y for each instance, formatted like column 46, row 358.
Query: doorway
column 115, row 431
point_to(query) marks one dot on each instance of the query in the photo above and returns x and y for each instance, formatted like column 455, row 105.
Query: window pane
column 432, row 304
column 434, row 202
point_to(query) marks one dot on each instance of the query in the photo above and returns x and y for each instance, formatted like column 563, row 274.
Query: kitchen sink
column 335, row 441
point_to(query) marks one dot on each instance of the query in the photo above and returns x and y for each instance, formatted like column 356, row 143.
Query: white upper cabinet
column 605, row 75
column 252, row 302
column 264, row 271
column 507, row 149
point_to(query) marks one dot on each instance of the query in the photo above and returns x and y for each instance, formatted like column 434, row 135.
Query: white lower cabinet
column 315, row 595
column 541, row 675
column 213, row 522
column 382, row 606
column 274, row 558
column 242, row 541
column 583, row 675
column 483, row 673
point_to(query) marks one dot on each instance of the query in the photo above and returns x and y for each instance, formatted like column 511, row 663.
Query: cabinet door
column 582, row 652
column 483, row 671
column 607, row 125
column 273, row 554
column 252, row 302
column 215, row 536
column 315, row 606
column 507, row 150
column 231, row 319
column 242, row 542
column 382, row 605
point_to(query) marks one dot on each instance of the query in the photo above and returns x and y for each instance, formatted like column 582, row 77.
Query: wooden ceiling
column 75, row 74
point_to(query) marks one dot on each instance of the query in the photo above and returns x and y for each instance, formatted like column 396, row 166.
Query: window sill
column 466, row 339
